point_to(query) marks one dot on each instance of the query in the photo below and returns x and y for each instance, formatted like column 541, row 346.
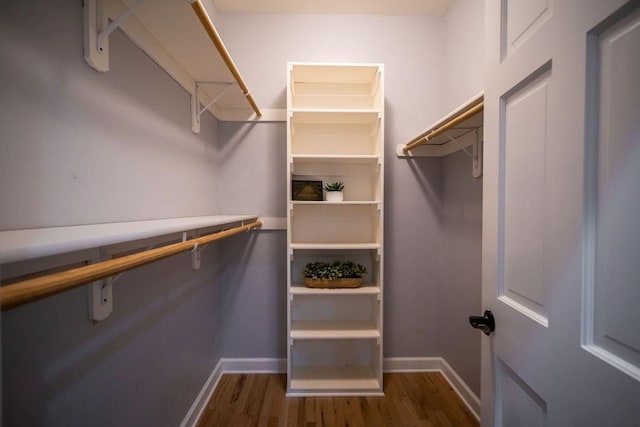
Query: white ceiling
column 360, row 7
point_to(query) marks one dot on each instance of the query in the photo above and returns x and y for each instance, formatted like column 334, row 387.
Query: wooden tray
column 337, row 283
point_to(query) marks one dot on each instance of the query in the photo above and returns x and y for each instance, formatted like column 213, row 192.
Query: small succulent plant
column 334, row 186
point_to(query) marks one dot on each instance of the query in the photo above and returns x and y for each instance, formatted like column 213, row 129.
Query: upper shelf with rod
column 459, row 130
column 180, row 36
column 102, row 271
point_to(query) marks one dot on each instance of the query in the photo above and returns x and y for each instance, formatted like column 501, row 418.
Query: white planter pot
column 334, row 196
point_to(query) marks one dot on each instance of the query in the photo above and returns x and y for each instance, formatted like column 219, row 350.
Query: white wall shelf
column 18, row 245
column 461, row 129
column 173, row 36
column 335, row 133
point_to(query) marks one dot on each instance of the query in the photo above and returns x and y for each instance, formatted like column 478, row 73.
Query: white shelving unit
column 335, row 122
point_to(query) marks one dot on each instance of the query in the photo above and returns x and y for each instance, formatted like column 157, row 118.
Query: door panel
column 615, row 172
column 520, row 19
column 561, row 213
column 518, row 404
column 523, row 142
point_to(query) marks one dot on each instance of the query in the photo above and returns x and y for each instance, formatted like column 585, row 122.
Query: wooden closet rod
column 452, row 122
column 31, row 290
column 206, row 22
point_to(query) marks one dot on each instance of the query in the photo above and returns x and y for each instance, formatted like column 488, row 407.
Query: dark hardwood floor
column 411, row 399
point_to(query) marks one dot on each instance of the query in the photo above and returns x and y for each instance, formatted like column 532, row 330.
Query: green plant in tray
column 334, row 271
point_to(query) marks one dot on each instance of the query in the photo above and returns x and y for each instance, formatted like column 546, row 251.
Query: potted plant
column 334, row 191
column 338, row 274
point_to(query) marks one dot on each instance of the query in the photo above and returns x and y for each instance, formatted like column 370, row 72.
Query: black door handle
column 486, row 323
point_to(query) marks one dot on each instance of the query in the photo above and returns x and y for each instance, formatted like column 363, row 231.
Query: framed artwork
column 310, row 191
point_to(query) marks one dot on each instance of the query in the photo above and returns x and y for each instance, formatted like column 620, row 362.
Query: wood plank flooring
column 411, row 399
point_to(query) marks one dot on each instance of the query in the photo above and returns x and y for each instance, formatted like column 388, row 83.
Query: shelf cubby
column 335, row 223
column 335, row 133
column 336, row 86
column 330, row 366
column 335, row 316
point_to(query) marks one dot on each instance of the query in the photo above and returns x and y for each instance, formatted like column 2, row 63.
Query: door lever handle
column 486, row 323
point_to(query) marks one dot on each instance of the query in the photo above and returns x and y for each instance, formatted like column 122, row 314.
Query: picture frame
column 309, row 191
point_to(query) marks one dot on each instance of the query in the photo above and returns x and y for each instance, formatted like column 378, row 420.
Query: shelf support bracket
column 196, row 252
column 455, row 141
column 104, row 34
column 195, row 257
column 196, row 112
column 477, row 156
column 97, row 29
column 100, row 303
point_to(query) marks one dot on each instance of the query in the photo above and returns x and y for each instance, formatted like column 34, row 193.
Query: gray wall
column 432, row 65
column 81, row 147
column 78, row 147
column 463, row 56
column 261, row 46
column 461, row 292
column 460, row 295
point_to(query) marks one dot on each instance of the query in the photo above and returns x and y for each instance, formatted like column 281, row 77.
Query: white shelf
column 171, row 33
column 343, row 203
column 337, row 158
column 335, row 246
column 25, row 244
column 365, row 289
column 335, row 115
column 330, row 378
column 310, row 329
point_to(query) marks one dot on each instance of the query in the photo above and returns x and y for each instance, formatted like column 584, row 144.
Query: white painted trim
column 412, row 364
column 462, row 389
column 279, row 366
column 273, row 223
column 254, row 366
column 269, row 115
column 192, row 417
column 436, row 364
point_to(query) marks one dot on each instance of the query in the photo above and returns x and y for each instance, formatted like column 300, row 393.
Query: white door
column 561, row 214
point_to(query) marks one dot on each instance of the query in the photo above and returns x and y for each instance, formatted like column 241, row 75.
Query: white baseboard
column 468, row 397
column 412, row 364
column 192, row 417
column 436, row 364
column 254, row 366
column 278, row 366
